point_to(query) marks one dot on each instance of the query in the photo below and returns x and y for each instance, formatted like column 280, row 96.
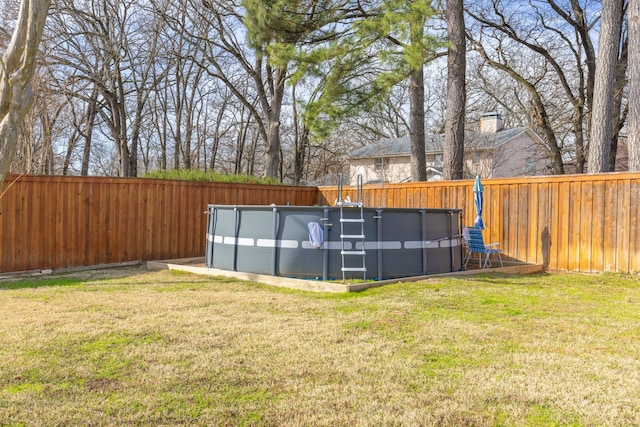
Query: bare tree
column 110, row 46
column 603, row 93
column 301, row 136
column 537, row 105
column 182, row 85
column 546, row 47
column 227, row 59
column 16, row 71
column 45, row 122
column 493, row 36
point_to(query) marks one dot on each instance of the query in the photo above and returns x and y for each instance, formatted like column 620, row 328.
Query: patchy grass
column 159, row 348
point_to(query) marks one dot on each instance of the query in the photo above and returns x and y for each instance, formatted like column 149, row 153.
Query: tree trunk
column 416, row 101
column 633, row 140
column 577, row 124
column 92, row 111
column 70, row 149
column 456, row 92
column 177, row 136
column 141, row 100
column 582, row 27
column 601, row 117
column 272, row 154
column 163, row 131
column 251, row 153
column 618, row 114
column 46, row 165
column 118, row 130
column 541, row 117
column 216, row 139
column 300, row 161
column 17, row 66
column 301, row 137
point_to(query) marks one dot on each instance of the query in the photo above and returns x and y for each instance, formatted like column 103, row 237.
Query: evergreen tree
column 388, row 44
column 283, row 34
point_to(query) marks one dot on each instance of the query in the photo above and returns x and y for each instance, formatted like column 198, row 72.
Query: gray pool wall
column 274, row 240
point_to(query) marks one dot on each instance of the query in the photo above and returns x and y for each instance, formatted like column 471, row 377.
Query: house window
column 476, row 158
column 530, row 166
column 437, row 161
column 381, row 164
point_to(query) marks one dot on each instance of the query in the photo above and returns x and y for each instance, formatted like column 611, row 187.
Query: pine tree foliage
column 353, row 52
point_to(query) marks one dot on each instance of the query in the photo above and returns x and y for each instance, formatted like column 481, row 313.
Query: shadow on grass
column 41, row 283
column 67, row 279
column 506, row 278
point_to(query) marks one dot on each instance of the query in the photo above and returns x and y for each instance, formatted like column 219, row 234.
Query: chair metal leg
column 484, row 259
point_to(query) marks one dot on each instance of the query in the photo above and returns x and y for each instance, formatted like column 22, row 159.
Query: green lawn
column 161, row 348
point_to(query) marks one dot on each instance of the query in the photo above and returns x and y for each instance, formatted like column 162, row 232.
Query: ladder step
column 350, row 204
column 354, row 268
column 360, row 220
column 362, row 253
column 352, row 236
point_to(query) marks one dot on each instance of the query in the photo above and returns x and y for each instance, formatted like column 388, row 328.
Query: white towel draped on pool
column 316, row 234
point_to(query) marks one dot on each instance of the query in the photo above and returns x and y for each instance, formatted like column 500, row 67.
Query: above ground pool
column 322, row 242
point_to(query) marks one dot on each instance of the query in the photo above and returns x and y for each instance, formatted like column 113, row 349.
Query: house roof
column 390, row 147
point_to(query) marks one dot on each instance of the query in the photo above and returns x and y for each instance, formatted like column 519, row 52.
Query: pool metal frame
column 274, row 240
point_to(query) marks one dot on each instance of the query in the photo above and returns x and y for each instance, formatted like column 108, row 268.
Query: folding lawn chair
column 474, row 243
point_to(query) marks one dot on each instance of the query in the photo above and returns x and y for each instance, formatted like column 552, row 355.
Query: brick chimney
column 490, row 122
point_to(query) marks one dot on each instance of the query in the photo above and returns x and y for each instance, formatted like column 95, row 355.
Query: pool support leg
column 423, row 225
column 325, row 244
column 274, row 251
column 236, row 231
column 378, row 218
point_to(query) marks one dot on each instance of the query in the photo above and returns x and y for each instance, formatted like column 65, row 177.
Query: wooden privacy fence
column 51, row 222
column 586, row 223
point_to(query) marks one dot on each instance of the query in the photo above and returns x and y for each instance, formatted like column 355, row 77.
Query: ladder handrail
column 359, row 196
column 352, row 221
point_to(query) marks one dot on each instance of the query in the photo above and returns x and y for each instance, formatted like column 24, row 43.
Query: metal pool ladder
column 352, row 231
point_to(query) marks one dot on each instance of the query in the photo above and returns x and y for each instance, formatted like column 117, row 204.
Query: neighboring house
column 491, row 153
